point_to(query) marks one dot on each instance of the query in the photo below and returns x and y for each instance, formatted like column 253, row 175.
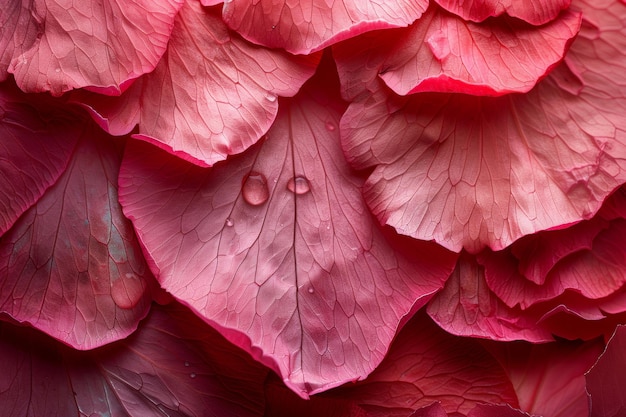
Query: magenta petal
column 490, row 410
column 275, row 247
column 36, row 146
column 71, row 265
column 212, row 95
column 104, row 46
column 607, row 378
column 470, row 172
column 441, row 52
column 305, row 27
column 467, row 307
column 536, row 12
column 174, row 365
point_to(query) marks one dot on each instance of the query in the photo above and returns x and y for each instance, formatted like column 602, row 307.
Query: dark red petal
column 212, row 95
column 71, row 265
column 305, row 27
column 276, row 248
column 536, row 12
column 103, row 46
column 607, row 378
column 36, row 146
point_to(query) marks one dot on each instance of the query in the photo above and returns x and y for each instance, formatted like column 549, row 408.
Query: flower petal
column 536, row 12
column 58, row 45
column 71, row 265
column 305, row 27
column 212, row 95
column 275, row 247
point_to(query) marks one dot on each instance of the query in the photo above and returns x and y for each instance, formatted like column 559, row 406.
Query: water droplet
column 330, row 127
column 311, row 290
column 192, row 375
column 254, row 189
column 229, row 222
column 270, row 97
column 299, row 185
column 127, row 290
column 57, row 70
column 186, row 363
column 273, row 26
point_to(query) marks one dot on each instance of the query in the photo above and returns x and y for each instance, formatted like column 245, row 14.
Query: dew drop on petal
column 57, row 70
column 298, row 185
column 229, row 222
column 270, row 97
column 254, row 189
column 311, row 290
column 127, row 290
column 192, row 375
column 330, row 127
column 186, row 363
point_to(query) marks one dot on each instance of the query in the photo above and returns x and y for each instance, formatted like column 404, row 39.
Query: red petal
column 441, row 52
column 174, row 365
column 298, row 273
column 606, row 380
column 471, row 172
column 467, row 307
column 36, row 146
column 305, row 27
column 212, row 95
column 57, row 47
column 549, row 378
column 536, row 12
column 71, row 265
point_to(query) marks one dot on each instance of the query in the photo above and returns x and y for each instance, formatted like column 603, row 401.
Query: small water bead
column 192, row 375
column 311, row 290
column 254, row 189
column 229, row 222
column 57, row 70
column 299, row 185
column 330, row 127
column 186, row 363
column 270, row 97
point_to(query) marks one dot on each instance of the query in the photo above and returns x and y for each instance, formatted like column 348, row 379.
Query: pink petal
column 470, row 172
column 212, row 95
column 441, row 52
column 36, row 146
column 276, row 249
column 305, row 27
column 606, row 379
column 71, row 265
column 490, row 410
column 467, row 307
column 425, row 365
column 536, row 12
column 57, row 47
column 549, row 378
column 174, row 365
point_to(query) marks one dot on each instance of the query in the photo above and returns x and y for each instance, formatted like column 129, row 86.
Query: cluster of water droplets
column 255, row 191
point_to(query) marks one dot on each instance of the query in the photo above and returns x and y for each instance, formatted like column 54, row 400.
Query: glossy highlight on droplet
column 229, row 222
column 254, row 189
column 127, row 290
column 299, row 185
column 330, row 127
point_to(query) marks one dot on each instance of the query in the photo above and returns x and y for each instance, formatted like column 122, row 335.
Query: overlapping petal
column 471, row 172
column 276, row 248
column 212, row 95
column 36, row 146
column 60, row 45
column 536, row 12
column 174, row 365
column 305, row 27
column 71, row 265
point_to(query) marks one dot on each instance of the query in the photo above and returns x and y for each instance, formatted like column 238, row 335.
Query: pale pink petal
column 71, row 265
column 549, row 378
column 426, row 365
column 58, row 46
column 444, row 53
column 36, row 144
column 606, row 379
column 276, row 247
column 536, row 12
column 305, row 27
column 173, row 366
column 212, row 95
column 470, row 172
column 467, row 307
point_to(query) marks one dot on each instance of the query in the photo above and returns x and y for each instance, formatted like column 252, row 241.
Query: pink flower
column 355, row 208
